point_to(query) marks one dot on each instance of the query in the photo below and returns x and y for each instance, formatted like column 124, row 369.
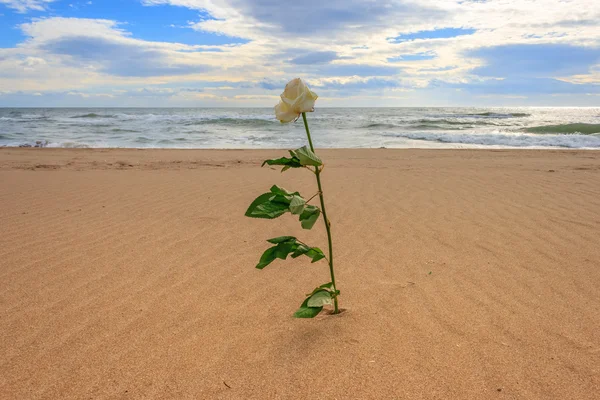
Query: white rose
column 295, row 99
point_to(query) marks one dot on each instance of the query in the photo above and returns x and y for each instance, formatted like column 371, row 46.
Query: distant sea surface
column 257, row 128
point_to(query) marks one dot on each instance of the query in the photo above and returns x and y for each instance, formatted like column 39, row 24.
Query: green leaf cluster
column 301, row 157
column 279, row 201
column 314, row 302
column 285, row 246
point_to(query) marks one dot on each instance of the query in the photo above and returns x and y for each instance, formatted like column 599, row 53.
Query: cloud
column 312, row 17
column 309, row 18
column 101, row 46
column 124, row 58
column 23, row 6
column 272, row 85
column 362, row 84
column 427, row 55
column 524, row 86
column 535, row 60
column 316, row 57
column 342, row 45
column 356, row 70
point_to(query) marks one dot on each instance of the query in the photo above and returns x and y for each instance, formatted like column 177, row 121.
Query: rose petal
column 306, row 102
column 284, row 113
column 295, row 99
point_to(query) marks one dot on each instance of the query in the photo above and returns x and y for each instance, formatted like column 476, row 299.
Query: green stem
column 327, row 223
column 315, row 195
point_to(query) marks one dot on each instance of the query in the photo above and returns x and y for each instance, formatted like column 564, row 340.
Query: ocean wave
column 379, row 125
column 120, row 130
column 93, row 115
column 71, row 145
column 447, row 121
column 25, row 118
column 427, row 124
column 434, row 127
column 143, row 139
column 37, row 143
column 191, row 118
column 34, row 117
column 500, row 115
column 251, row 122
column 83, row 144
column 92, row 125
column 566, row 129
column 506, row 139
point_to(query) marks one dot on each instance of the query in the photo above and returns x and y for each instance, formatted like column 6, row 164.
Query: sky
column 352, row 53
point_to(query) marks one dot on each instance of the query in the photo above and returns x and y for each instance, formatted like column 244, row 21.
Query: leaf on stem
column 287, row 163
column 314, row 253
column 282, row 192
column 265, row 206
column 309, row 216
column 320, row 298
column 297, row 205
column 305, row 311
column 286, row 245
column 306, row 156
column 314, row 302
column 280, row 239
column 282, row 250
column 271, row 205
column 326, row 286
column 279, row 201
column 267, row 258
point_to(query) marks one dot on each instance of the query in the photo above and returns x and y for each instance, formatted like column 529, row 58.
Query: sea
column 257, row 128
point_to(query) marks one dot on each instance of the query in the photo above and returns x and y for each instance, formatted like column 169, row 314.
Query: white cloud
column 101, row 48
column 342, row 46
column 26, row 5
column 357, row 32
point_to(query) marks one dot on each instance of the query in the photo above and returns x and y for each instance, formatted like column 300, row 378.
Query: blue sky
column 351, row 52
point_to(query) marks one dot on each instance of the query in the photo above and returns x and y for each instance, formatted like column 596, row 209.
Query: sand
column 465, row 274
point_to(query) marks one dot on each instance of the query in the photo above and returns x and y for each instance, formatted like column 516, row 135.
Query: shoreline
column 482, row 147
column 126, row 158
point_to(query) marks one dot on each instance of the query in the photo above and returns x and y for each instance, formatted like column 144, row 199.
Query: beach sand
column 465, row 274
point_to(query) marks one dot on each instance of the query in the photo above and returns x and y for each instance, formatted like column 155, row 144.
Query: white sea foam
column 509, row 140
